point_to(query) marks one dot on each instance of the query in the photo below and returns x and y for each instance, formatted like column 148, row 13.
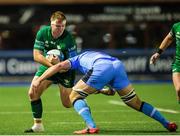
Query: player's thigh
column 64, row 95
column 176, row 80
column 129, row 97
column 99, row 76
column 41, row 88
column 120, row 79
column 81, row 90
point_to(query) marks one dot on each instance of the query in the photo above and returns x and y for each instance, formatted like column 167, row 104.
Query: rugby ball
column 56, row 52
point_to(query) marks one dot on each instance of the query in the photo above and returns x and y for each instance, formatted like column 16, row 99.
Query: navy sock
column 82, row 108
column 152, row 112
column 36, row 107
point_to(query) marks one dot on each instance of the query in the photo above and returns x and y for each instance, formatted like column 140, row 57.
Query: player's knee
column 132, row 100
column 32, row 95
column 73, row 96
column 77, row 94
column 129, row 96
column 177, row 87
column 178, row 93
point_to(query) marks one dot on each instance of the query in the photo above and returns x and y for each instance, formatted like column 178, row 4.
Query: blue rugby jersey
column 85, row 61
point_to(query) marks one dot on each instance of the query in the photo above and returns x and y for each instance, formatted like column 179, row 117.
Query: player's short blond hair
column 58, row 15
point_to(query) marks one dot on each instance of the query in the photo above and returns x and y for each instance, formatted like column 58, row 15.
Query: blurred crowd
column 104, row 27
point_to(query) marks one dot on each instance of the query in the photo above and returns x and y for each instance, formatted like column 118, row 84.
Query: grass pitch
column 110, row 114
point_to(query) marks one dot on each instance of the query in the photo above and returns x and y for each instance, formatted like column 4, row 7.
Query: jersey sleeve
column 172, row 31
column 74, row 62
column 39, row 42
column 72, row 47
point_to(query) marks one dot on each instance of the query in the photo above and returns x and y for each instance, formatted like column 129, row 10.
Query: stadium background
column 130, row 30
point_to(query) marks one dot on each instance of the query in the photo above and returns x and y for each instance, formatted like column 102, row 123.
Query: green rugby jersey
column 175, row 32
column 66, row 43
column 45, row 42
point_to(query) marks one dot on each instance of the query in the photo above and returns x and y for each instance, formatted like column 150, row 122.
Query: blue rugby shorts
column 107, row 72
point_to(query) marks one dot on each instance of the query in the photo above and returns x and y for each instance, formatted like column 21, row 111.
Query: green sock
column 36, row 107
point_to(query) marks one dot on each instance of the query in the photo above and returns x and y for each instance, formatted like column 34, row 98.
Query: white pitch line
column 168, row 110
column 160, row 109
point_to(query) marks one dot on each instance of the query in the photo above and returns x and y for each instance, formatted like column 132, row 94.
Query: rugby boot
column 87, row 131
column 35, row 128
column 172, row 127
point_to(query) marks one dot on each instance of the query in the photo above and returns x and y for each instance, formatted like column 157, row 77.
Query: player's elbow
column 63, row 66
column 35, row 58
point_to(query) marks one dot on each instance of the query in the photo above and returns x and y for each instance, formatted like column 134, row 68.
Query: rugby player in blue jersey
column 100, row 69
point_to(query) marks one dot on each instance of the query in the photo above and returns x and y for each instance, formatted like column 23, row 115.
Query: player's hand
column 154, row 58
column 106, row 91
column 53, row 59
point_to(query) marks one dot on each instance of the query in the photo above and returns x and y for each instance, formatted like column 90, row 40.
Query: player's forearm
column 49, row 72
column 60, row 67
column 38, row 57
column 41, row 59
column 45, row 62
column 166, row 42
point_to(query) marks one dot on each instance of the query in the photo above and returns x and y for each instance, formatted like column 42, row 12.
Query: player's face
column 57, row 28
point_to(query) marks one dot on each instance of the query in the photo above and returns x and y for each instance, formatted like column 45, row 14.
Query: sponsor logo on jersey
column 61, row 46
column 72, row 48
column 46, row 45
column 52, row 42
column 178, row 35
column 174, row 69
column 66, row 81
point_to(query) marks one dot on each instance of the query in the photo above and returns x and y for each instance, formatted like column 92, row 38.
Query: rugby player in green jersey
column 174, row 34
column 54, row 36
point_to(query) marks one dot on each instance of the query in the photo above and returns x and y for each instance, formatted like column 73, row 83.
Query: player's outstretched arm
column 165, row 43
column 61, row 66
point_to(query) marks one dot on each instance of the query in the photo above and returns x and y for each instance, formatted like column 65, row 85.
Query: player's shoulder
column 66, row 33
column 177, row 24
